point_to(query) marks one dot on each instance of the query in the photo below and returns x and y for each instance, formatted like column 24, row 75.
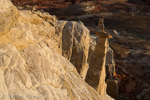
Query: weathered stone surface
column 92, row 44
column 30, row 68
column 57, row 37
column 80, row 47
column 96, row 73
column 38, row 70
column 103, row 34
column 8, row 15
column 112, row 88
column 74, row 37
column 110, row 64
column 29, row 29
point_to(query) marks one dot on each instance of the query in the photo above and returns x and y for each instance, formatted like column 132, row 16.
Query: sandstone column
column 96, row 74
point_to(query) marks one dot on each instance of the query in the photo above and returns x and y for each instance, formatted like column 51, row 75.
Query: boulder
column 112, row 88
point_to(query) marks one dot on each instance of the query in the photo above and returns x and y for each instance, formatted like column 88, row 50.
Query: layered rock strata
column 96, row 73
column 31, row 68
column 98, row 65
column 8, row 16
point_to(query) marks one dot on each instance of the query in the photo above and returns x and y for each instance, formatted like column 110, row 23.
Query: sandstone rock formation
column 110, row 64
column 77, row 36
column 31, row 68
column 112, row 88
column 96, row 73
column 98, row 68
column 38, row 70
column 72, row 40
column 8, row 15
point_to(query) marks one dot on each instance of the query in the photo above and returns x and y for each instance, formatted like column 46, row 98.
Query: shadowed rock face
column 72, row 39
column 29, row 62
column 76, row 43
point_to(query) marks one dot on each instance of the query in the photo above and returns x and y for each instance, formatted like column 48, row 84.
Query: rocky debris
column 129, row 83
column 31, row 68
column 77, row 9
column 97, row 6
column 112, row 88
column 134, row 71
column 115, row 32
column 143, row 93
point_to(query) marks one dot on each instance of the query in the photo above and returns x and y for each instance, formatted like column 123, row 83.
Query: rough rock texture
column 30, row 68
column 101, row 63
column 38, row 70
column 92, row 44
column 79, row 45
column 8, row 15
column 112, row 88
column 73, row 40
column 29, row 29
column 96, row 73
column 110, row 64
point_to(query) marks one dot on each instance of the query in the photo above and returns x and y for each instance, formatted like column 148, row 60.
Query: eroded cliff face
column 75, row 44
column 38, row 70
column 31, row 63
